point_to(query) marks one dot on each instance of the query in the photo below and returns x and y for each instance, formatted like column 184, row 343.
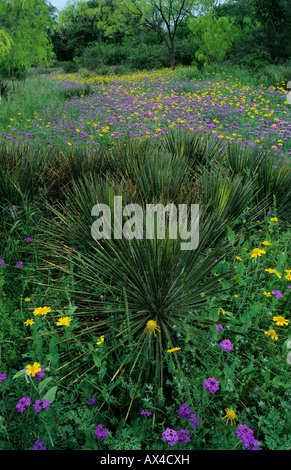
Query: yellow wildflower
column 151, row 326
column 257, row 252
column 101, row 340
column 266, row 243
column 280, row 321
column 230, row 415
column 271, row 333
column 42, row 311
column 267, row 294
column 173, row 349
column 64, row 321
column 32, row 370
column 29, row 322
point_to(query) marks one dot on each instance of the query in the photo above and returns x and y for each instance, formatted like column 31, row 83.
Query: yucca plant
column 21, row 173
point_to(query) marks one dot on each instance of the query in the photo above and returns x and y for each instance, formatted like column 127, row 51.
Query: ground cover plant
column 137, row 344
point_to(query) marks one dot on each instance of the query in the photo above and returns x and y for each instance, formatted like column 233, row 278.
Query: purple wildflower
column 226, row 345
column 46, row 404
column 91, row 401
column 145, row 413
column 184, row 411
column 183, row 436
column 101, row 432
column 3, row 377
column 39, row 375
column 277, row 294
column 215, row 261
column 37, row 406
column 38, row 445
column 13, row 208
column 23, row 402
column 194, row 422
column 219, row 327
column 2, row 262
column 170, row 436
column 19, row 264
column 246, row 435
column 211, row 384
column 28, row 239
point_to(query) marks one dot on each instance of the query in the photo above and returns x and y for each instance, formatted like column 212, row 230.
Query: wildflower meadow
column 130, row 339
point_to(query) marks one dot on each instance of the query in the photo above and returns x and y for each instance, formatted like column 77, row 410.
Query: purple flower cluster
column 23, row 402
column 91, row 401
column 246, row 435
column 145, row 413
column 184, row 411
column 226, row 345
column 101, row 432
column 13, row 208
column 39, row 375
column 211, row 384
column 219, row 327
column 28, row 239
column 170, row 436
column 194, row 421
column 277, row 294
column 38, row 445
column 2, row 262
column 3, row 377
column 183, row 436
column 41, row 404
column 19, row 264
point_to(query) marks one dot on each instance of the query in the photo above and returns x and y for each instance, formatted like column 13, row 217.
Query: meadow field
column 134, row 343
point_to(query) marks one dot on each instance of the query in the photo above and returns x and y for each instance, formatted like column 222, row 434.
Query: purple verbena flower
column 211, row 384
column 194, row 422
column 2, row 262
column 183, row 436
column 19, row 264
column 91, row 401
column 219, row 327
column 246, row 435
column 38, row 445
column 23, row 402
column 277, row 294
column 184, row 411
column 39, row 375
column 145, row 413
column 28, row 239
column 226, row 345
column 3, row 377
column 170, row 436
column 101, row 432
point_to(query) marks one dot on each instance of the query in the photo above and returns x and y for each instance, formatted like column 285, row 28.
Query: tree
column 25, row 23
column 215, row 36
column 165, row 16
column 82, row 23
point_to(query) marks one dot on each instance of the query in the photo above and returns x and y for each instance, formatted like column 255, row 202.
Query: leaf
column 43, row 384
column 21, row 373
column 51, row 394
column 230, row 236
column 96, row 359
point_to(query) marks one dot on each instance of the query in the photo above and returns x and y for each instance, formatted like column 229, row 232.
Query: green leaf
column 21, row 373
column 43, row 384
column 230, row 236
column 51, row 394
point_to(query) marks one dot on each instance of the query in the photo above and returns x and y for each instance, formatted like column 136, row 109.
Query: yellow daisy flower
column 257, row 252
column 267, row 294
column 29, row 322
column 64, row 321
column 151, row 326
column 266, row 243
column 32, row 370
column 42, row 311
column 101, row 340
column 271, row 333
column 280, row 321
column 27, row 299
column 230, row 415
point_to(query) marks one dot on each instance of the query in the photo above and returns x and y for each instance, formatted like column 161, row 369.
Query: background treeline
column 139, row 34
